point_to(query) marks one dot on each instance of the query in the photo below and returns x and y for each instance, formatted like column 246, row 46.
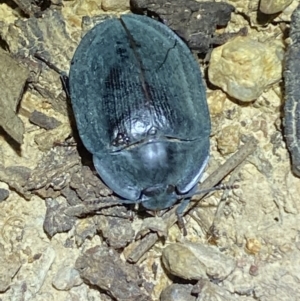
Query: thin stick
column 170, row 217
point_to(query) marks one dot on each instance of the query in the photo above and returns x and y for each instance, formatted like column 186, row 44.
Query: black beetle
column 140, row 107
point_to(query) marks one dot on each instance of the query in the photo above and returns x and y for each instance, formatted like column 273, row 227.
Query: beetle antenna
column 219, row 187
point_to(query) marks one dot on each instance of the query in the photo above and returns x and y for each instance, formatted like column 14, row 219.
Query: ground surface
column 50, row 249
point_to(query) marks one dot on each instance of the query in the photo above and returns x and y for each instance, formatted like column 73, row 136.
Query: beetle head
column 159, row 197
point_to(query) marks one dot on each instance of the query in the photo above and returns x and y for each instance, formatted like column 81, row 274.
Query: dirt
column 65, row 236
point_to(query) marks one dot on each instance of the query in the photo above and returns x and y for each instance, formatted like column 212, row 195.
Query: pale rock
column 194, row 261
column 34, row 274
column 216, row 100
column 228, row 139
column 244, row 67
column 115, row 5
column 177, row 292
column 209, row 291
column 273, row 6
column 10, row 264
column 66, row 278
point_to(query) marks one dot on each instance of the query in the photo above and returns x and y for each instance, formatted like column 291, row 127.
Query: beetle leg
column 65, row 82
column 179, row 213
column 63, row 75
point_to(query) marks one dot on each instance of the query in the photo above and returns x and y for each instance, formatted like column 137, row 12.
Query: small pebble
column 228, row 140
column 216, row 100
column 43, row 121
column 177, row 292
column 253, row 246
column 194, row 261
column 115, row 5
column 253, row 270
column 208, row 291
column 84, row 228
column 117, row 232
column 273, row 6
column 103, row 269
column 66, row 278
column 4, row 194
column 244, row 67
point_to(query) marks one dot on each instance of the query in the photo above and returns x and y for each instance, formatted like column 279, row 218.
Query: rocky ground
column 58, row 243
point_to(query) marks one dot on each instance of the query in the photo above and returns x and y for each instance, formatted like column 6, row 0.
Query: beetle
column 140, row 106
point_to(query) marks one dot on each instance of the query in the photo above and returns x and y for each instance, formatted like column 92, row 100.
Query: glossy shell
column 140, row 107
